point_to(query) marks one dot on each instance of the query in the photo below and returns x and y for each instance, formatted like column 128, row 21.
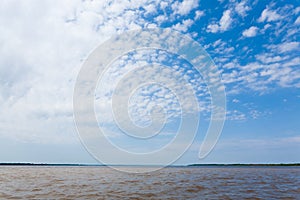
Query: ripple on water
column 168, row 183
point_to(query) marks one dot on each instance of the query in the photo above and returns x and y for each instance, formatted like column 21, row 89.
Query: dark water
column 168, row 183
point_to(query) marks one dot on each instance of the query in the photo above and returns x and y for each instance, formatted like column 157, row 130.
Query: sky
column 254, row 44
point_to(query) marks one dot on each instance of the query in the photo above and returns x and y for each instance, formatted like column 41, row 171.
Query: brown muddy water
column 168, row 183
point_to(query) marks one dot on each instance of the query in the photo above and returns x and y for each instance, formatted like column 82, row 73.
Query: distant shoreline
column 246, row 165
column 47, row 164
column 189, row 165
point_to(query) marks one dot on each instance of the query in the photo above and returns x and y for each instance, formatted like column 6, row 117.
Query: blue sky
column 255, row 45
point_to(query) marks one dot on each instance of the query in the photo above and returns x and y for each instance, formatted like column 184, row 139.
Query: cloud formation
column 269, row 16
column 223, row 24
column 250, row 32
column 44, row 43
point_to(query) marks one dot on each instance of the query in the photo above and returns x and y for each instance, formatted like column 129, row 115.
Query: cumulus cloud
column 143, row 99
column 262, row 76
column 269, row 16
column 250, row 32
column 223, row 25
column 242, row 8
column 288, row 46
column 226, row 20
column 184, row 7
column 213, row 28
column 184, row 25
column 43, row 44
column 199, row 14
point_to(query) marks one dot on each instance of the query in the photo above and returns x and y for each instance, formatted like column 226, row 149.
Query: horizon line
column 135, row 165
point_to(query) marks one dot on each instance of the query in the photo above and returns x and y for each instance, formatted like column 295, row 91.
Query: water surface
column 169, row 183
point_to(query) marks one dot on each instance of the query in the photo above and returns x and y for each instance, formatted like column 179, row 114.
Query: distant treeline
column 238, row 164
column 191, row 165
column 44, row 164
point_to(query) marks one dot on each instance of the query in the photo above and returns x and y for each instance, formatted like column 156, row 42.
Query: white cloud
column 266, row 27
column 223, row 48
column 297, row 10
column 184, row 7
column 213, row 28
column 235, row 115
column 271, row 70
column 292, row 62
column 43, row 44
column 223, row 25
column 183, row 26
column 199, row 14
column 143, row 99
column 225, row 21
column 269, row 16
column 235, row 101
column 250, row 32
column 288, row 46
column 163, row 5
column 218, row 42
column 297, row 20
column 160, row 19
column 270, row 58
column 150, row 9
column 241, row 8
